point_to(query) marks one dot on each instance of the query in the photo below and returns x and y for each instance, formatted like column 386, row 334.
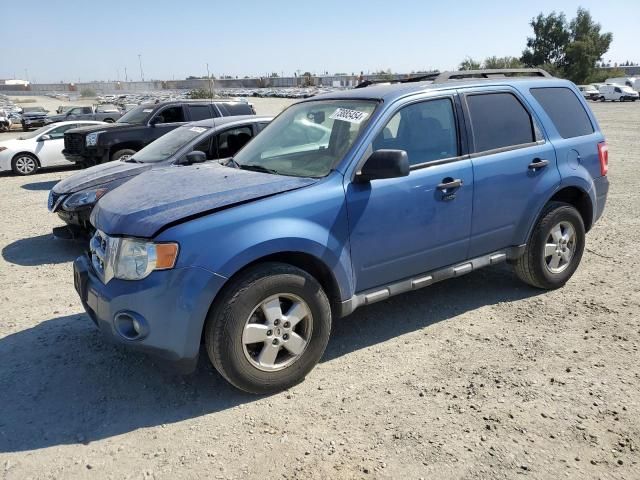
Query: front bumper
column 169, row 306
column 33, row 122
column 90, row 156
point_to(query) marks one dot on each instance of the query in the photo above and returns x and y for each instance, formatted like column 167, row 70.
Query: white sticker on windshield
column 197, row 129
column 348, row 115
column 148, row 110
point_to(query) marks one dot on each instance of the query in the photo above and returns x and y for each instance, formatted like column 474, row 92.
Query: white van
column 618, row 93
column 632, row 82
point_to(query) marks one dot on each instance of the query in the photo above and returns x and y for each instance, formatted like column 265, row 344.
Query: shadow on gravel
column 41, row 250
column 38, row 186
column 60, row 383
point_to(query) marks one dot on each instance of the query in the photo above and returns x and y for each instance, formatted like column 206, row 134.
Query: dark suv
column 141, row 126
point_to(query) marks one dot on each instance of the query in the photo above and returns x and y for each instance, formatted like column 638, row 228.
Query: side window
column 261, row 126
column 205, row 147
column 239, row 108
column 87, row 110
column 231, row 141
column 59, row 132
column 199, row 112
column 171, row 115
column 499, row 120
column 425, row 130
column 75, row 111
column 565, row 110
column 617, row 90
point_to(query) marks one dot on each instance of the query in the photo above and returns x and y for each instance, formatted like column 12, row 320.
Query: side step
column 381, row 293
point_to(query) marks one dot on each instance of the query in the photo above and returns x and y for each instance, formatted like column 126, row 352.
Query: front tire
column 24, row 164
column 555, row 248
column 122, row 154
column 269, row 328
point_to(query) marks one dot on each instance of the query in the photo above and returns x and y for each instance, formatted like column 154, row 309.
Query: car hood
column 99, row 175
column 164, row 196
column 106, row 127
column 34, row 114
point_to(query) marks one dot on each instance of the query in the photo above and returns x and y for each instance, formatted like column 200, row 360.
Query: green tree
column 550, row 39
column 587, row 46
column 469, row 64
column 501, row 62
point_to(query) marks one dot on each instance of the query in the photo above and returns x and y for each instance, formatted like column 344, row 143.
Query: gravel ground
column 477, row 377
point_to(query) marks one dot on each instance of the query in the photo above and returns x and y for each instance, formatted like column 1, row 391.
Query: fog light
column 131, row 326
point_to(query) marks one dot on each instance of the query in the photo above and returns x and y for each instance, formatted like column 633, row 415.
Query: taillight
column 603, row 155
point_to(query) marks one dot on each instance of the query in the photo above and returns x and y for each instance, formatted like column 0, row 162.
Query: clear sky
column 87, row 40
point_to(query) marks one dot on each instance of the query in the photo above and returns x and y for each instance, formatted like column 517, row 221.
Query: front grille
column 102, row 249
column 74, row 142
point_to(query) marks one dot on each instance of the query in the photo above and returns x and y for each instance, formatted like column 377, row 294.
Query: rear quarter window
column 565, row 111
column 237, row 108
column 499, row 120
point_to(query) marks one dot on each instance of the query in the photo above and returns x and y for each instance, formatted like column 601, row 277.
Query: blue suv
column 344, row 200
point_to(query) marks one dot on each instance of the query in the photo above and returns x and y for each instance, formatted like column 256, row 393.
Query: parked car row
column 612, row 90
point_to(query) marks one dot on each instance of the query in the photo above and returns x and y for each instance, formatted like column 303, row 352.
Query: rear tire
column 125, row 152
column 109, row 120
column 269, row 328
column 555, row 247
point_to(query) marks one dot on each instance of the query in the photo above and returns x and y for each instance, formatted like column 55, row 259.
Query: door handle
column 450, row 183
column 538, row 163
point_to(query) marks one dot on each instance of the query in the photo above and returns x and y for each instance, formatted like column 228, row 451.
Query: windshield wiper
column 256, row 168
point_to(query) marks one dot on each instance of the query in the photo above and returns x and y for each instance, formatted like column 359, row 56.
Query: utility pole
column 26, row 74
column 209, row 78
column 140, row 62
column 126, row 78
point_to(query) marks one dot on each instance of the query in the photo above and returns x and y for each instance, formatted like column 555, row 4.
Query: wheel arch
column 31, row 154
column 131, row 145
column 579, row 199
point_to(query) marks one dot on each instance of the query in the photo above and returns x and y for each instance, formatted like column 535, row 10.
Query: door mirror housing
column 384, row 164
column 194, row 157
column 45, row 137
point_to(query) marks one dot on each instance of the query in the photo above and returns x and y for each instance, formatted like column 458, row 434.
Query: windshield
column 167, row 145
column 307, row 139
column 35, row 133
column 137, row 115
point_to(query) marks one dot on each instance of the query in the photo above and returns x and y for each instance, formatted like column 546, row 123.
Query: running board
column 414, row 283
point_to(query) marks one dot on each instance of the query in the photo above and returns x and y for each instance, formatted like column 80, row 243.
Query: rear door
column 200, row 111
column 514, row 167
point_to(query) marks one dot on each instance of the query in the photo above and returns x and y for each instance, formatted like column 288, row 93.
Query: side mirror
column 194, row 157
column 384, row 164
column 45, row 137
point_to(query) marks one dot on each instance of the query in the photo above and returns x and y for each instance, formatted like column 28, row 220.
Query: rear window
column 199, row 112
column 237, row 108
column 565, row 110
column 499, row 120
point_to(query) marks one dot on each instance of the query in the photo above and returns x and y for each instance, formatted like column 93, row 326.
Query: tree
column 469, row 64
column 550, row 40
column 501, row 62
column 587, row 46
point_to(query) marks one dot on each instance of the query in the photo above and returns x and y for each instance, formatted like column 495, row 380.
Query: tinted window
column 426, row 131
column 171, row 115
column 231, row 141
column 499, row 120
column 59, row 131
column 199, row 112
column 565, row 110
column 238, row 109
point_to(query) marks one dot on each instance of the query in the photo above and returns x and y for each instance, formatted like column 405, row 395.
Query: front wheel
column 24, row 164
column 555, row 248
column 269, row 328
column 122, row 154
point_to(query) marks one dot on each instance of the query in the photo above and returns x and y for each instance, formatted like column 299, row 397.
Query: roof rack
column 441, row 77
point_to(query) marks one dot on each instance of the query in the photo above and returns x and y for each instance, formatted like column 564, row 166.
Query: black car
column 33, row 117
column 74, row 197
column 141, row 126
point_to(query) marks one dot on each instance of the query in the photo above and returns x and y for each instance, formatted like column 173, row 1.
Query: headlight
column 84, row 198
column 91, row 140
column 136, row 259
column 130, row 258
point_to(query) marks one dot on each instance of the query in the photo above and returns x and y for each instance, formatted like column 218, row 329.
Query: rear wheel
column 109, row 120
column 24, row 164
column 122, row 154
column 269, row 328
column 555, row 248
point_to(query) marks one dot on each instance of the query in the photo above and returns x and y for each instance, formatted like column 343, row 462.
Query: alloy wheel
column 560, row 247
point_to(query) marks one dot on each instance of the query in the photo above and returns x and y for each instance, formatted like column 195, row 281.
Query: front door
column 405, row 226
column 49, row 151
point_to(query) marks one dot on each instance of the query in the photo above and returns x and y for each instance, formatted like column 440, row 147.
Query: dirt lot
column 477, row 377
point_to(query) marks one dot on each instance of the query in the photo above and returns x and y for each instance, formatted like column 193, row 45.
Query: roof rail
column 492, row 73
column 441, row 77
